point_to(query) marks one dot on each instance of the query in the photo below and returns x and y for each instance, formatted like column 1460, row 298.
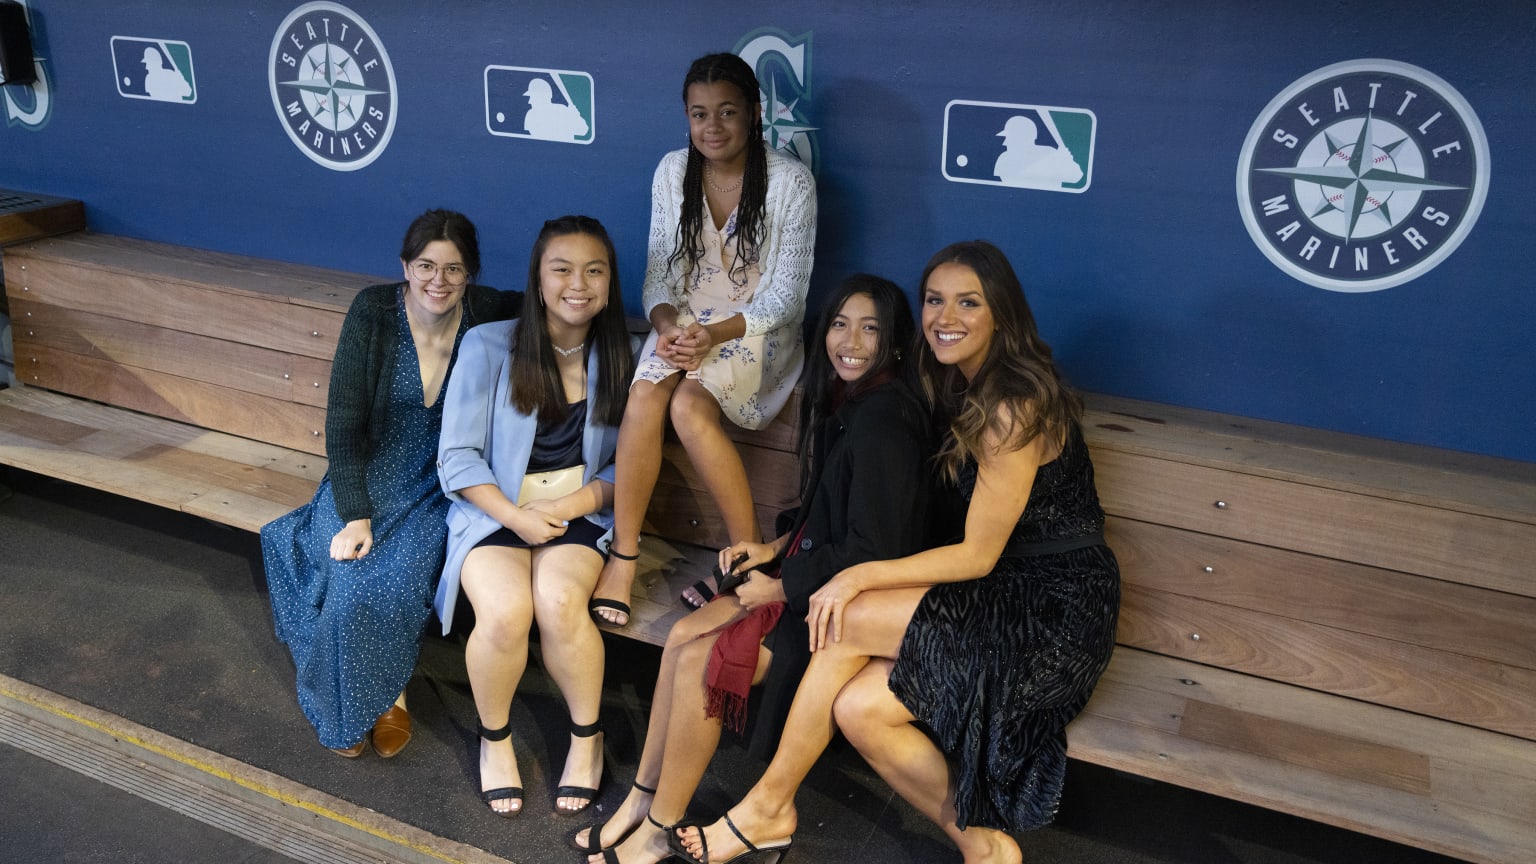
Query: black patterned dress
column 996, row 667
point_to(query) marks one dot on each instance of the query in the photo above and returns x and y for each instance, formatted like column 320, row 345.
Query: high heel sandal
column 724, row 582
column 612, row 857
column 618, row 606
column 502, row 793
column 584, row 793
column 777, row 849
column 594, row 844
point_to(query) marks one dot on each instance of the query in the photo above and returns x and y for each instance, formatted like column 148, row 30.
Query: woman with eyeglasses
column 350, row 573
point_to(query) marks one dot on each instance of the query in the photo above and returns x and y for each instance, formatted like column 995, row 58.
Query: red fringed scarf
column 733, row 659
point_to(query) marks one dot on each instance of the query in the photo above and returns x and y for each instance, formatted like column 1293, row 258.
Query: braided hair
column 729, row 69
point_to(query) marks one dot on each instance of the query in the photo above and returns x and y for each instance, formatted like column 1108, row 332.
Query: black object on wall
column 16, row 65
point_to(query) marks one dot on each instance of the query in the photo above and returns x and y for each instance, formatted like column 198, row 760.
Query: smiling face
column 435, row 297
column 853, row 338
column 574, row 273
column 720, row 121
column 957, row 322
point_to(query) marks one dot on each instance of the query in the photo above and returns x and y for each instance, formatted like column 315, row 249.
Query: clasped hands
column 684, row 347
column 540, row 521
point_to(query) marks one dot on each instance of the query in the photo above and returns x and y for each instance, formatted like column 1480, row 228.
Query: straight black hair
column 536, row 386
column 823, row 390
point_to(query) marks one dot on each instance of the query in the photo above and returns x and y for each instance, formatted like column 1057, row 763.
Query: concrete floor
column 163, row 619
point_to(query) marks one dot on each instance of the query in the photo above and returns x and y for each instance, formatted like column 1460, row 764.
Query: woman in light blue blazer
column 526, row 457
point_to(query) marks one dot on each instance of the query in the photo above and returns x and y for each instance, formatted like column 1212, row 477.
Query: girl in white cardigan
column 733, row 229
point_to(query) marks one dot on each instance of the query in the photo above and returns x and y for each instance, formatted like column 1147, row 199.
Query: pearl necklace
column 709, row 175
column 566, row 352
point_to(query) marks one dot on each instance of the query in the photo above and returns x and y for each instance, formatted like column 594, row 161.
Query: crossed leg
column 680, row 741
column 873, row 626
column 881, row 728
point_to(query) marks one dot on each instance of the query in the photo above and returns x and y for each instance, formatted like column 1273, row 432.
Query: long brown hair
column 536, row 386
column 732, row 70
column 1018, row 371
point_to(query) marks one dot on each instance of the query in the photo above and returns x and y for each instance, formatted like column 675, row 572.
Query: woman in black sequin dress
column 955, row 671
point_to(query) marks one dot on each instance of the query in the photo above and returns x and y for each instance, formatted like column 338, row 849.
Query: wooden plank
column 28, row 216
column 1426, row 681
column 1482, row 785
column 286, row 424
column 773, row 474
column 248, row 368
column 1307, row 746
column 1458, row 547
column 689, row 515
column 1499, row 488
column 190, row 308
column 311, row 381
column 255, row 277
column 1416, row 610
column 221, row 477
column 1402, row 817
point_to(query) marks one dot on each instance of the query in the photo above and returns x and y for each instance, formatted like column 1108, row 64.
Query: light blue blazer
column 486, row 440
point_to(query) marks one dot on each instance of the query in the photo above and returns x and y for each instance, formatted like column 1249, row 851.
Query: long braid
column 689, row 248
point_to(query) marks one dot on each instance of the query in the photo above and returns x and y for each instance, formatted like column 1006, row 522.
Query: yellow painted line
column 215, row 771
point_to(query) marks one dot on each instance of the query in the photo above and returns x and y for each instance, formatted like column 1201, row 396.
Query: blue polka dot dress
column 354, row 627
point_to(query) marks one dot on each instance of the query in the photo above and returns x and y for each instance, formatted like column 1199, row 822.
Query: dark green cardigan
column 364, row 363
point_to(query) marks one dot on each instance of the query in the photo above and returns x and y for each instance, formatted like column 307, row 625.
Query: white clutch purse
column 550, row 484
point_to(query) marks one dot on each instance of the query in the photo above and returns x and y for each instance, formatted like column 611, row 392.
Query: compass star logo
column 783, row 67
column 1363, row 175
column 332, row 85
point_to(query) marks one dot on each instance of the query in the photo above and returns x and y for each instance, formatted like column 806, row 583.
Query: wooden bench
column 1335, row 627
column 198, row 381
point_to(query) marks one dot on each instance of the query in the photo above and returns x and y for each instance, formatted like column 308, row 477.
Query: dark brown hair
column 1017, row 374
column 443, row 225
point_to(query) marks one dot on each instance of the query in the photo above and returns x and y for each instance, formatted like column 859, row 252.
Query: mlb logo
column 158, row 69
column 544, row 104
column 1021, row 146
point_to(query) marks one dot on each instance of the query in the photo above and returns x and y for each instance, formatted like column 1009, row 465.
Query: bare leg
column 638, row 464
column 873, row 626
column 692, row 738
column 655, row 754
column 696, row 417
column 881, row 728
column 562, row 581
column 496, row 580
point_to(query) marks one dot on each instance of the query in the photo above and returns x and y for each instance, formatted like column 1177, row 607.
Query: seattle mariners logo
column 1363, row 175
column 783, row 67
column 29, row 105
column 333, row 85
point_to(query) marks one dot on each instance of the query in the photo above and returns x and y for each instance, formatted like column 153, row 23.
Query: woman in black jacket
column 864, row 443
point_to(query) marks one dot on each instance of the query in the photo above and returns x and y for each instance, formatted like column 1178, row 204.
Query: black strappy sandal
column 725, row 582
column 585, row 793
column 774, row 852
column 503, row 793
column 594, row 844
column 619, row 606
column 612, row 857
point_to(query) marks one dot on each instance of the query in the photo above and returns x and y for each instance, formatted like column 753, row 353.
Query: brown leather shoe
column 354, row 751
column 391, row 732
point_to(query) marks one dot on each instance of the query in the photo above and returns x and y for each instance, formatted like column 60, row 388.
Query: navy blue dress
column 354, row 627
column 997, row 666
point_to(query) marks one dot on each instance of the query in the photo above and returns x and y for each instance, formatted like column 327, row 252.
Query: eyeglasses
column 426, row 271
